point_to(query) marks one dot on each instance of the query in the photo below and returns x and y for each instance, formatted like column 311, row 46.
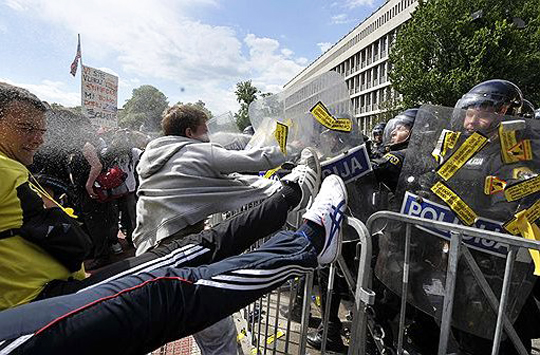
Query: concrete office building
column 361, row 57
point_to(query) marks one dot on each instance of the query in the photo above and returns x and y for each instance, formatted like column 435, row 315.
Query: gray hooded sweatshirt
column 183, row 180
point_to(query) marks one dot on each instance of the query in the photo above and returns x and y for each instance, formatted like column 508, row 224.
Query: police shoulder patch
column 392, row 158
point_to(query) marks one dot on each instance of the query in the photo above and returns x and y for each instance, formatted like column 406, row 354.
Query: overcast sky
column 188, row 49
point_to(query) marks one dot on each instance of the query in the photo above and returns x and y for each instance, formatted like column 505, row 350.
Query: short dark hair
column 10, row 93
column 178, row 118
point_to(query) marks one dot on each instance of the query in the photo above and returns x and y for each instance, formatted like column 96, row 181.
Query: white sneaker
column 307, row 174
column 328, row 210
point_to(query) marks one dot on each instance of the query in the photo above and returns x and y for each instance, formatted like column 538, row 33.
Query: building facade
column 361, row 57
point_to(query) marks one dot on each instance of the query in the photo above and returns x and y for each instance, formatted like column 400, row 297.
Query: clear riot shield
column 294, row 109
column 222, row 129
column 317, row 114
column 467, row 177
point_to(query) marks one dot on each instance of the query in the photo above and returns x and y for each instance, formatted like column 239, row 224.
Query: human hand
column 90, row 190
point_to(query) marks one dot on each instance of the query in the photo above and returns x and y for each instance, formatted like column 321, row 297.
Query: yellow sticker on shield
column 450, row 140
column 323, row 116
column 530, row 231
column 532, row 214
column 463, row 211
column 281, row 133
column 513, row 151
column 343, row 125
column 521, row 173
column 447, row 140
column 522, row 189
column 508, row 140
column 493, row 185
column 522, row 151
column 460, row 157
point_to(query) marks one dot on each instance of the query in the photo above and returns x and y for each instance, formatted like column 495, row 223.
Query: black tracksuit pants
column 135, row 307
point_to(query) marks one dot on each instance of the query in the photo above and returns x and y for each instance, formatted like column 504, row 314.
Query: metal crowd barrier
column 264, row 330
column 364, row 296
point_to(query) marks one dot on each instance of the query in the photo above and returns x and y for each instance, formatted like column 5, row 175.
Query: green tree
column 200, row 105
column 450, row 45
column 75, row 109
column 246, row 93
column 144, row 108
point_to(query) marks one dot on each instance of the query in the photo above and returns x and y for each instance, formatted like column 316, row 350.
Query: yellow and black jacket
column 25, row 266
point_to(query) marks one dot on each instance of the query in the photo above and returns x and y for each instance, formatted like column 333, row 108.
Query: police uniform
column 388, row 167
column 468, row 183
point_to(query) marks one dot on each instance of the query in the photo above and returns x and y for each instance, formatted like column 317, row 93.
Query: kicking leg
column 229, row 238
column 136, row 314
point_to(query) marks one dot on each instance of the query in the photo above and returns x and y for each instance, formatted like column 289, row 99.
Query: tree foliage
column 144, row 108
column 57, row 106
column 200, row 105
column 246, row 93
column 450, row 45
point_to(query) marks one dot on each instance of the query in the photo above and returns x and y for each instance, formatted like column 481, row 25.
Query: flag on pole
column 75, row 63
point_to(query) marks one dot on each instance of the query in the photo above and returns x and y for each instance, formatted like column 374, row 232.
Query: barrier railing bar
column 326, row 318
column 471, row 232
column 293, row 290
column 266, row 323
column 468, row 231
column 450, row 287
column 349, row 278
column 404, row 289
column 357, row 344
column 492, row 299
column 276, row 319
column 504, row 297
column 252, row 323
column 305, row 313
column 259, row 322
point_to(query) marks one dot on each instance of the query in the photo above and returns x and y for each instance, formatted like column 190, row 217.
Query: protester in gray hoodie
column 184, row 178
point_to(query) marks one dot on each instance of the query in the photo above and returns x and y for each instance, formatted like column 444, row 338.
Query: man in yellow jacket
column 25, row 266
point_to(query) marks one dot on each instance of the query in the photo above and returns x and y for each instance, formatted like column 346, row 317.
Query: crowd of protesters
column 93, row 171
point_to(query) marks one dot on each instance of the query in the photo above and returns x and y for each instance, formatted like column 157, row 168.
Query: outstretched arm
column 90, row 154
column 253, row 160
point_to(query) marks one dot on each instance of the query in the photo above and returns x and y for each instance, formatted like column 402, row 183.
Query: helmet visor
column 484, row 102
column 397, row 130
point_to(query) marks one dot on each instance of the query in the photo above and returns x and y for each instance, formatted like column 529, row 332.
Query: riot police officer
column 377, row 148
column 395, row 141
column 485, row 104
column 395, row 138
column 480, row 110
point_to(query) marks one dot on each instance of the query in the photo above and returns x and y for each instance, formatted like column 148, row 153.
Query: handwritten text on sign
column 99, row 92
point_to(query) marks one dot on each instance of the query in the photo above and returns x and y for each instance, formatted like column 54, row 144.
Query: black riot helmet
column 526, row 110
column 483, row 107
column 398, row 129
column 378, row 129
column 377, row 132
column 502, row 96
